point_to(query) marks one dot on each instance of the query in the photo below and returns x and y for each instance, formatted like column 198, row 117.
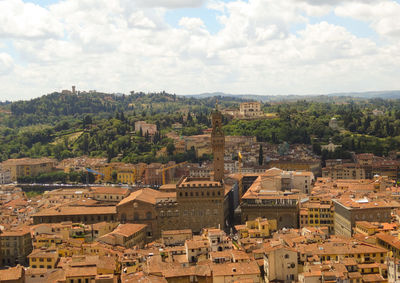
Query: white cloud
column 123, row 45
column 6, row 64
column 27, row 20
column 192, row 23
column 171, row 4
column 383, row 16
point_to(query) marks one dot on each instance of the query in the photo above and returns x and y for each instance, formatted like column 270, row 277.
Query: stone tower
column 218, row 144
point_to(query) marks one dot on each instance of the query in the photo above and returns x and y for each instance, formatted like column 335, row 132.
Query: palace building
column 193, row 203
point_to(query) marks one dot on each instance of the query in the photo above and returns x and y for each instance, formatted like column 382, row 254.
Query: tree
column 260, row 155
column 114, row 176
column 170, row 149
column 87, row 120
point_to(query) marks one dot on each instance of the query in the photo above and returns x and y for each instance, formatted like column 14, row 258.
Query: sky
column 264, row 47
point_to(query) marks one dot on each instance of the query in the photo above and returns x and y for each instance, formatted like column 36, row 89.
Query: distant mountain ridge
column 392, row 94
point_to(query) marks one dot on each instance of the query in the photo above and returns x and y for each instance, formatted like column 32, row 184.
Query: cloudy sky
column 194, row 46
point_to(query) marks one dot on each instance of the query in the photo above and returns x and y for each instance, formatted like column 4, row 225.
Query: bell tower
column 218, row 144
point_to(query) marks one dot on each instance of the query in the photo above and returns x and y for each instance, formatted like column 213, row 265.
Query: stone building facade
column 15, row 246
column 348, row 211
column 250, row 109
column 199, row 203
column 283, row 209
column 263, row 201
column 140, row 207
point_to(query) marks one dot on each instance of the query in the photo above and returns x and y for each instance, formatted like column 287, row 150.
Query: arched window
column 136, row 216
column 123, row 217
column 148, row 215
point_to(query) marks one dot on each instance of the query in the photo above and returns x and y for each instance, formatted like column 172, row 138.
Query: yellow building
column 80, row 274
column 42, row 258
column 125, row 173
column 106, row 170
column 317, row 212
column 371, row 228
column 339, row 250
column 28, row 167
column 131, row 264
column 390, row 242
column 47, row 240
column 257, row 228
column 126, row 177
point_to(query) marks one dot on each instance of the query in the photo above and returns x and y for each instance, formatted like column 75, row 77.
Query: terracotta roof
column 145, row 195
column 11, row 274
column 28, row 161
column 351, row 203
column 197, row 244
column 368, row 265
column 373, row 278
column 176, row 232
column 44, row 253
column 235, row 269
column 354, row 275
column 80, row 271
column 110, row 190
column 179, row 271
column 391, row 240
column 339, row 248
column 128, row 229
column 77, row 210
column 142, row 278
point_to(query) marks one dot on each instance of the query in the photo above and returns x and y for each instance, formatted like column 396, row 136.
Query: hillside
column 100, row 124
